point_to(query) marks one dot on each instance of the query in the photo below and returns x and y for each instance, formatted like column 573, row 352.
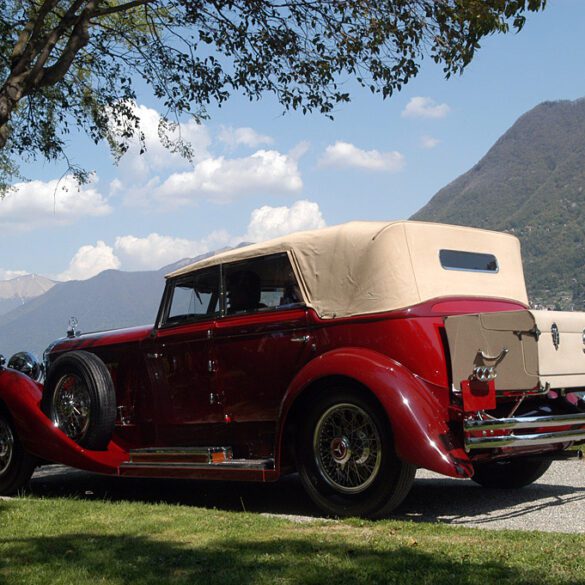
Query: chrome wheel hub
column 6, row 446
column 71, row 406
column 340, row 450
column 347, row 448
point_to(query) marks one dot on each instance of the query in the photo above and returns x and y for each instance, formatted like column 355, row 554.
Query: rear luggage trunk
column 518, row 353
column 522, row 350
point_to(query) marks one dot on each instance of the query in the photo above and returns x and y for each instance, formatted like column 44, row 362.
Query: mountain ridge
column 531, row 183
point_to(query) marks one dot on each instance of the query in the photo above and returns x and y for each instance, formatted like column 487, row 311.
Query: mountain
column 531, row 183
column 110, row 300
column 19, row 290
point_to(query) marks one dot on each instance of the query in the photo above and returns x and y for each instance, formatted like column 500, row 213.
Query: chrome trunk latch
column 534, row 332
column 556, row 336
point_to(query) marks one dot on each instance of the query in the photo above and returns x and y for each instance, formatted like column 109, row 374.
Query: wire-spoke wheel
column 79, row 398
column 6, row 446
column 72, row 406
column 347, row 447
column 345, row 456
column 16, row 465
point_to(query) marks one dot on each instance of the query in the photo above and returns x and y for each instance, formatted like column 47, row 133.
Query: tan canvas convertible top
column 371, row 267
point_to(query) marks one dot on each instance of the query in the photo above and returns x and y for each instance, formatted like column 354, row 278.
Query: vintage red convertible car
column 352, row 355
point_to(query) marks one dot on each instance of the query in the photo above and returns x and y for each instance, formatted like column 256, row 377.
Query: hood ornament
column 72, row 330
column 556, row 336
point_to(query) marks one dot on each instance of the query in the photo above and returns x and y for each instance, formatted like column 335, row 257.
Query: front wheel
column 16, row 465
column 346, row 458
column 510, row 473
column 79, row 398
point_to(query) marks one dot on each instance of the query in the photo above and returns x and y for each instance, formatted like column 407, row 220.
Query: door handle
column 154, row 356
column 301, row 339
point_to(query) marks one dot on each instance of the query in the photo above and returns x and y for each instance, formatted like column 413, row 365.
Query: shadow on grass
column 443, row 499
column 284, row 497
column 131, row 559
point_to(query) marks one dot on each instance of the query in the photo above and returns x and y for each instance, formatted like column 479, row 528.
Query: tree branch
column 68, row 19
column 78, row 39
column 121, row 7
column 23, row 50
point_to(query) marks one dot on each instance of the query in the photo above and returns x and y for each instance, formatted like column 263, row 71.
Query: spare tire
column 79, row 398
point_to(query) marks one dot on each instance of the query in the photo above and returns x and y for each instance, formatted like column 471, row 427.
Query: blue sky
column 259, row 174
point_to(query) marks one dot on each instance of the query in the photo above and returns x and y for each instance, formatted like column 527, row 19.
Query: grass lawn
column 69, row 541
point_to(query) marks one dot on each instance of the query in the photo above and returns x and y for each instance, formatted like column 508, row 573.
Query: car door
column 258, row 349
column 179, row 362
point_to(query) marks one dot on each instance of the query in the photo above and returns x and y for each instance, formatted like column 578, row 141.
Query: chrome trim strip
column 524, row 440
column 233, row 464
column 527, row 422
column 180, row 454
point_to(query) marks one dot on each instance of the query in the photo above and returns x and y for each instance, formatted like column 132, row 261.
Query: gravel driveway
column 554, row 503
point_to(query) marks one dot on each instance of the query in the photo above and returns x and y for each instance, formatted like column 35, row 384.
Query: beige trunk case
column 527, row 349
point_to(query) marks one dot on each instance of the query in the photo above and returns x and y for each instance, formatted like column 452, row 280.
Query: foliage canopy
column 75, row 63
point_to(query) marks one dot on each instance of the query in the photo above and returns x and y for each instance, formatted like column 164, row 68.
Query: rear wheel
column 346, row 458
column 79, row 398
column 510, row 473
column 16, row 465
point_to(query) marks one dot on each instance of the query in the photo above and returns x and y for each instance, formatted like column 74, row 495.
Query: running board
column 191, row 458
column 181, row 455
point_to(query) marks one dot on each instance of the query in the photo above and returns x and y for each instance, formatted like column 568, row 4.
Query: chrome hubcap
column 71, row 406
column 347, row 448
column 6, row 446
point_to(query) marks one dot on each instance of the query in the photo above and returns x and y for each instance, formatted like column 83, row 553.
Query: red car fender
column 40, row 437
column 419, row 423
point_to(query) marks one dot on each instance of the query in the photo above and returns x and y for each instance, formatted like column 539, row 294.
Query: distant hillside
column 531, row 183
column 110, row 300
column 19, row 290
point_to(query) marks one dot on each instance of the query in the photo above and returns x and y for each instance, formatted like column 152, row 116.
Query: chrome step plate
column 197, row 455
column 192, row 458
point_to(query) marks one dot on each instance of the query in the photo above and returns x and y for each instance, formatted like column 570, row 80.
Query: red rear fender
column 419, row 423
column 22, row 397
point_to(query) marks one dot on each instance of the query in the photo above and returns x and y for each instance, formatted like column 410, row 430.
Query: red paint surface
column 231, row 382
column 40, row 437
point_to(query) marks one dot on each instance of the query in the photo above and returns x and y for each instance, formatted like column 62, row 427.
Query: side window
column 194, row 296
column 259, row 284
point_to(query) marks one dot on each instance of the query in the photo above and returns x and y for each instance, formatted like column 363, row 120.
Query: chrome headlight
column 28, row 364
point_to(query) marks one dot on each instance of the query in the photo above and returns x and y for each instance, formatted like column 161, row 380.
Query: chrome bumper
column 489, row 440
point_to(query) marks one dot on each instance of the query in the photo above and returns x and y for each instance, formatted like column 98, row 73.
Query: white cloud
column 424, row 107
column 429, row 142
column 234, row 137
column 37, row 203
column 222, row 180
column 10, row 274
column 299, row 150
column 154, row 251
column 270, row 222
column 89, row 261
column 344, row 154
column 157, row 157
